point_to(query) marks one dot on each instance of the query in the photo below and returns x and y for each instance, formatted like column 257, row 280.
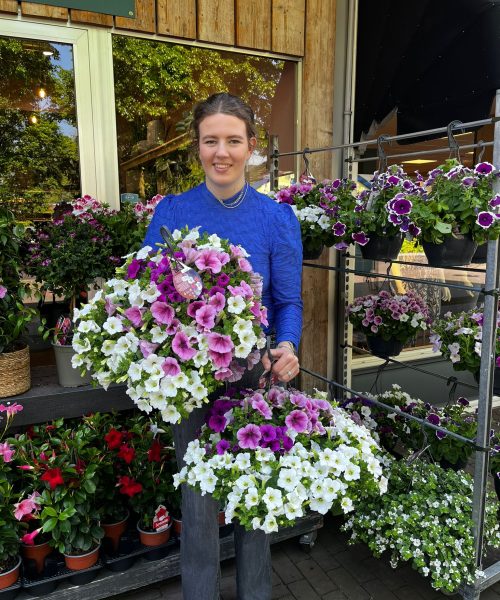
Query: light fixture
column 33, row 119
column 418, row 161
column 47, row 53
column 41, row 92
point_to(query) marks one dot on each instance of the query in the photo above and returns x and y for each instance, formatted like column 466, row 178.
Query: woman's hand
column 285, row 363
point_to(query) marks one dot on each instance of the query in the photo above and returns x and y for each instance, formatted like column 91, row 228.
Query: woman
column 224, row 130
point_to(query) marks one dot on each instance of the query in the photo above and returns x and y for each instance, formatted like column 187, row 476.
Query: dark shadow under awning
column 433, row 60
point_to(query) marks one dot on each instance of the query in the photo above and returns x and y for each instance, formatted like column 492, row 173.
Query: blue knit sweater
column 268, row 231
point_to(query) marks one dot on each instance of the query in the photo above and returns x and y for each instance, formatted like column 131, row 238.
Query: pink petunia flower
column 205, row 316
column 249, row 436
column 134, row 315
column 244, row 265
column 147, row 348
column 208, row 260
column 182, row 347
column 162, row 312
column 219, row 343
column 260, row 405
column 193, row 307
column 221, row 360
column 218, row 301
column 171, row 367
column 297, row 420
column 3, row 291
column 109, row 307
column 224, row 374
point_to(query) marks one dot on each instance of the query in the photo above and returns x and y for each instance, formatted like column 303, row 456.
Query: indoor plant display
column 319, row 209
column 457, row 212
column 425, row 518
column 171, row 351
column 389, row 320
column 384, row 214
column 458, row 338
column 270, row 457
column 14, row 316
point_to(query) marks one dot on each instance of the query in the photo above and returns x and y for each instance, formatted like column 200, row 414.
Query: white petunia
column 143, row 252
column 236, row 305
column 158, row 335
column 151, row 293
column 170, row 414
column 113, row 325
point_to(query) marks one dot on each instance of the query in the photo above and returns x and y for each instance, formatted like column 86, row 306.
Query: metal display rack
column 490, row 290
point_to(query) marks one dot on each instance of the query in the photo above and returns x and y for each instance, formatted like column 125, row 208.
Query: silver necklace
column 238, row 200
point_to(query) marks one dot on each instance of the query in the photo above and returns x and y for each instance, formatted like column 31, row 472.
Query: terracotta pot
column 154, row 538
column 77, row 562
column 37, row 553
column 10, row 577
column 114, row 531
column 222, row 518
column 177, row 526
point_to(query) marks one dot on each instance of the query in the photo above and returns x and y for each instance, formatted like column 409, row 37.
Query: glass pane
column 39, row 162
column 156, row 86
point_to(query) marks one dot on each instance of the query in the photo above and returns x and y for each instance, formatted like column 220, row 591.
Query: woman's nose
column 221, row 149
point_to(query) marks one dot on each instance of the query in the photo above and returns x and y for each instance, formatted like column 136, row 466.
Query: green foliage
column 10, row 528
column 425, row 518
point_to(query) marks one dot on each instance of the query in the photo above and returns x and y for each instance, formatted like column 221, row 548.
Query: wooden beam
column 8, row 6
column 216, row 21
column 30, row 9
column 288, row 25
column 317, row 131
column 85, row 16
column 177, row 18
column 155, row 153
column 253, row 24
column 144, row 20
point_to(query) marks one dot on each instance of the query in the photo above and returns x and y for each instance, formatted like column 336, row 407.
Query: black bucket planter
column 458, row 466
column 382, row 248
column 496, row 381
column 455, row 251
column 312, row 253
column 496, row 483
column 480, row 254
column 383, row 348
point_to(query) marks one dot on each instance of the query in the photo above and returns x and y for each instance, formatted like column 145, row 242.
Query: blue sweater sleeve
column 286, row 276
column 161, row 216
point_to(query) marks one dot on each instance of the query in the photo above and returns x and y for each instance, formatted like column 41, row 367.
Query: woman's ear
column 252, row 143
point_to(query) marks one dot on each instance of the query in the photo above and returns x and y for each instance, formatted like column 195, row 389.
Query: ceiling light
column 418, row 161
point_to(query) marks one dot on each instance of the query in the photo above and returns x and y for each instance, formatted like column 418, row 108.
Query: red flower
column 154, row 453
column 113, row 439
column 53, row 477
column 126, row 453
column 50, row 428
column 80, row 466
column 129, row 486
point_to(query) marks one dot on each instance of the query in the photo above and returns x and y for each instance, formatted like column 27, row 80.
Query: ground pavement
column 332, row 570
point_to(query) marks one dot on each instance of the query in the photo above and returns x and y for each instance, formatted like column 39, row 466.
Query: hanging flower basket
column 454, row 251
column 384, row 348
column 382, row 248
column 480, row 254
column 312, row 253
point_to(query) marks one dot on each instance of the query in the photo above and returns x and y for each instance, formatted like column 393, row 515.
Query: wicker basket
column 14, row 372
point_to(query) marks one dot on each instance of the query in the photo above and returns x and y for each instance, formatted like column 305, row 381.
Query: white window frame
column 94, row 89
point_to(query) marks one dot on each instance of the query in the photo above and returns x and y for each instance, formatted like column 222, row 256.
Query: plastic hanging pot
column 382, row 248
column 480, row 254
column 455, row 251
column 312, row 253
column 383, row 348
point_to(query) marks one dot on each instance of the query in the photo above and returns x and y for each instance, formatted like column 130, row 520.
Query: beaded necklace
column 238, row 200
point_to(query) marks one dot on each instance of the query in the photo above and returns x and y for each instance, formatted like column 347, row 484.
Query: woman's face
column 224, row 148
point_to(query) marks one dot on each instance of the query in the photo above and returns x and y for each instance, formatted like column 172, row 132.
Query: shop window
column 39, row 160
column 156, row 86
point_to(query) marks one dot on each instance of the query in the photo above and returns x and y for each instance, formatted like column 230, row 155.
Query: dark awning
column 433, row 60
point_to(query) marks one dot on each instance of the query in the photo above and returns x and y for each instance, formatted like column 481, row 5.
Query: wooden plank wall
column 290, row 27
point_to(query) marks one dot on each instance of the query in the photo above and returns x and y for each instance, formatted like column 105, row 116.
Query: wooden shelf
column 144, row 572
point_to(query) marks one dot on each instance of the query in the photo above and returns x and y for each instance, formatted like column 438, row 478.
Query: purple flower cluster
column 262, row 419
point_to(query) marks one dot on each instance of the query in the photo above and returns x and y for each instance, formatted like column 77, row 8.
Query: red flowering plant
column 145, row 464
column 60, row 479
column 10, row 528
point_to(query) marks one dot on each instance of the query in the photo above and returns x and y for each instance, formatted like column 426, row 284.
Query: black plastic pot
column 383, row 348
column 480, row 254
column 496, row 381
column 496, row 483
column 312, row 253
column 458, row 466
column 455, row 251
column 382, row 248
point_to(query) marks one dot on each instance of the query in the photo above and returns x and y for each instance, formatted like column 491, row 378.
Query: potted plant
column 319, row 208
column 458, row 338
column 14, row 316
column 66, row 256
column 389, row 320
column 457, row 212
column 145, row 475
column 425, row 518
column 495, row 463
column 271, row 456
column 173, row 351
column 10, row 528
column 384, row 214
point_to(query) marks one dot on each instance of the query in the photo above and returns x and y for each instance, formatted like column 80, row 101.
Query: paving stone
column 302, row 590
column 275, row 579
column 323, row 558
column 490, row 594
column 279, row 592
column 316, row 577
column 348, row 584
column 408, row 593
column 359, row 570
column 335, row 595
column 285, row 569
column 378, row 591
column 228, row 588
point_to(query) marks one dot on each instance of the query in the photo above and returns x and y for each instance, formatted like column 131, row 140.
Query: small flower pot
column 78, row 562
column 37, row 553
column 67, row 376
column 455, row 251
column 382, row 248
column 114, row 531
column 383, row 348
column 177, row 526
column 8, row 578
column 153, row 538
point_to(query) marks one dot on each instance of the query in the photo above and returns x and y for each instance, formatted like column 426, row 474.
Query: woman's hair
column 227, row 104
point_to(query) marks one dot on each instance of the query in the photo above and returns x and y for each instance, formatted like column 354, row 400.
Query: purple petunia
column 268, row 433
column 485, row 219
column 249, row 436
column 297, row 420
column 433, row 419
column 360, row 238
column 339, row 229
column 402, row 206
column 217, row 423
column 484, row 168
column 222, row 446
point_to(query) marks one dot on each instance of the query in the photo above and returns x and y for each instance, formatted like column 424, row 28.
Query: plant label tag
column 188, row 283
column 161, row 520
